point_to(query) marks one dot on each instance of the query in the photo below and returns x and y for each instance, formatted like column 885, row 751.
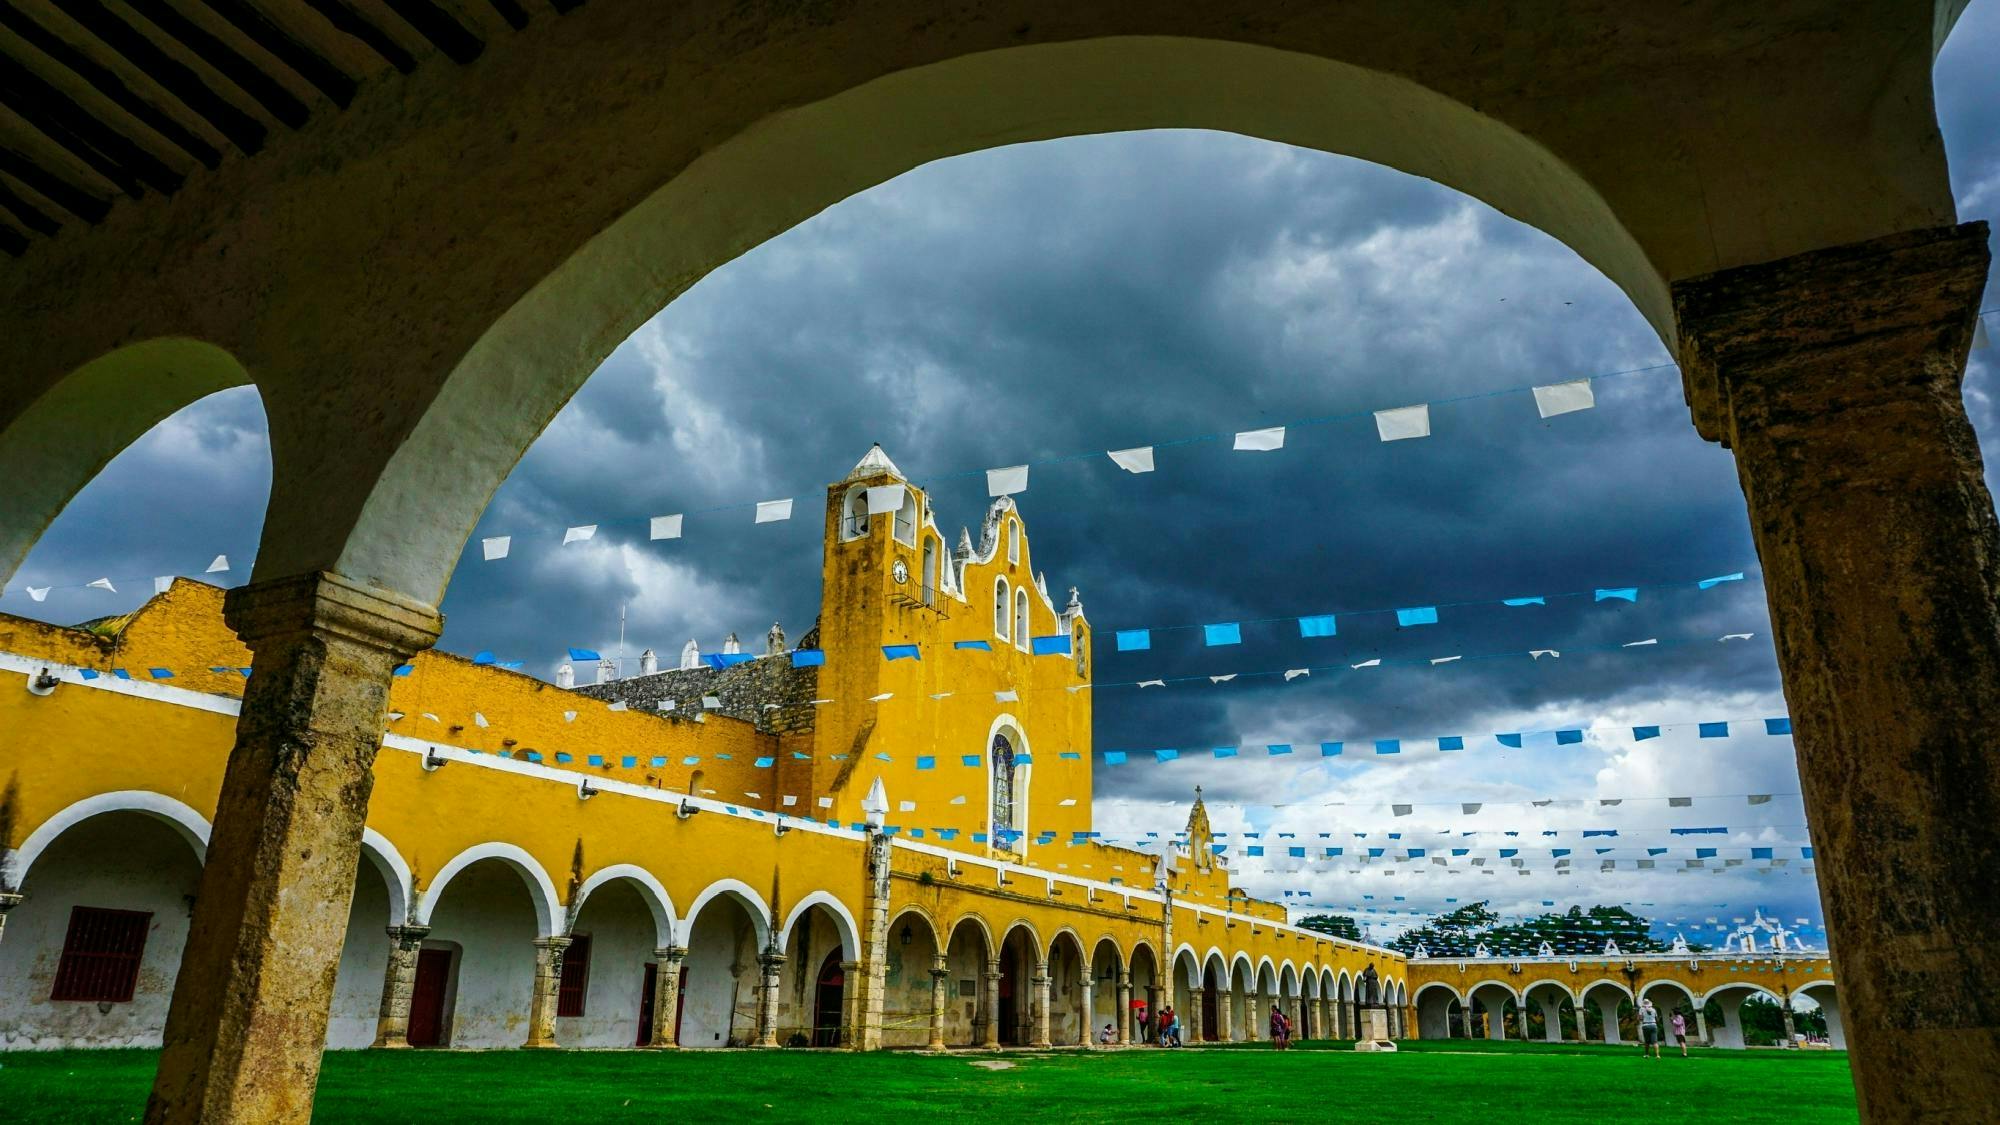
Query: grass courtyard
column 1425, row 1082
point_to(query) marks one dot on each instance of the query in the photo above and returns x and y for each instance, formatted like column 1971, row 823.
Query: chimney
column 648, row 663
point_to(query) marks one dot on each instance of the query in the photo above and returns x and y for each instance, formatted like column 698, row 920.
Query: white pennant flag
column 665, row 527
column 1138, row 459
column 789, row 800
column 1538, row 653
column 569, row 716
column 496, row 547
column 1222, row 679
column 618, row 706
column 1294, row 673
column 1152, row 683
column 1437, row 660
column 1736, row 636
column 879, row 698
column 711, row 702
column 1636, row 644
column 102, row 584
column 825, row 802
column 39, row 593
column 1404, row 422
column 906, row 806
column 1259, row 441
column 958, row 800
column 161, row 583
column 1007, row 481
column 941, row 695
column 1368, row 663
column 1564, row 398
column 669, row 704
column 583, row 534
column 772, row 511
column 220, row 564
column 1006, row 697
column 480, row 719
column 886, row 498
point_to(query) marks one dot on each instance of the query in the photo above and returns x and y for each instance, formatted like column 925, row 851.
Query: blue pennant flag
column 1277, row 748
column 969, row 759
column 629, row 761
column 1513, row 740
column 1055, row 645
column 720, row 660
column 1760, row 853
column 1024, row 759
column 1165, row 755
column 1700, row 831
column 1536, row 600
column 595, row 760
column 583, row 654
column 924, row 762
column 1589, row 832
column 1388, row 746
column 160, row 673
column 900, row 652
column 401, row 669
column 1451, row 742
column 1134, row 640
column 1254, row 849
column 1417, row 615
column 1329, row 749
column 483, row 656
column 1778, row 726
column 1225, row 633
column 1806, row 853
column 1641, row 734
column 1321, row 626
column 1568, row 737
column 1296, row 853
column 767, row 763
column 1704, row 853
column 808, row 658
column 982, row 646
column 691, row 760
column 1622, row 594
column 1069, row 756
column 1714, row 730
column 1225, row 751
column 1710, row 583
column 1114, row 757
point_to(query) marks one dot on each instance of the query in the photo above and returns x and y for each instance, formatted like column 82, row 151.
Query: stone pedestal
column 1374, row 1031
column 248, row 1021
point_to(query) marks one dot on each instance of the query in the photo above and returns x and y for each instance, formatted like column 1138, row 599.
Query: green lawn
column 1435, row 1081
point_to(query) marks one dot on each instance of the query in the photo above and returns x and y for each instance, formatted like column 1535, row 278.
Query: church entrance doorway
column 828, row 1001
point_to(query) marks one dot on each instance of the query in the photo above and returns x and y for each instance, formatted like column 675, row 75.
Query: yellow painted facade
column 914, row 940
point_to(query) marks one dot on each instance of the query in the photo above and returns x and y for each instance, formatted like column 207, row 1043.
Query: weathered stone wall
column 767, row 692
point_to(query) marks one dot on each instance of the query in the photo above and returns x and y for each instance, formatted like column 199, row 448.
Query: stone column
column 1552, row 1021
column 548, row 982
column 247, row 1024
column 1087, row 1005
column 1785, row 1013
column 992, row 1005
column 1041, row 983
column 399, row 980
column 1465, row 1017
column 1701, row 1025
column 1835, row 376
column 871, row 974
column 667, row 996
column 850, row 1004
column 1227, row 1032
column 1582, row 1034
column 1607, row 1011
column 771, row 965
column 940, row 975
column 1124, row 1001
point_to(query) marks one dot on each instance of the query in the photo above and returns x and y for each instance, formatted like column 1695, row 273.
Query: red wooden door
column 427, row 997
column 680, row 1004
column 646, row 1004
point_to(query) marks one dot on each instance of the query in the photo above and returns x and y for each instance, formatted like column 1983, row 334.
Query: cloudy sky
column 1104, row 292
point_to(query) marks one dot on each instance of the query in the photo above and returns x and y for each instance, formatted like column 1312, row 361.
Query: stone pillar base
column 1374, row 1031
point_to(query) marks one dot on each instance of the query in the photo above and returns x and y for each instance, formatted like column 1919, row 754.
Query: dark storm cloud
column 1097, row 293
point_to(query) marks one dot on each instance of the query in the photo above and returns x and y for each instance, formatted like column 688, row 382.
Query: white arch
column 1668, row 982
column 1249, row 971
column 1499, row 984
column 843, row 920
column 1622, row 988
column 1574, row 997
column 191, row 825
column 1345, row 984
column 1428, row 985
column 658, row 902
column 1023, row 775
column 389, row 863
column 1288, row 980
column 752, row 903
column 1266, row 970
column 1224, row 975
column 1753, row 986
column 541, row 890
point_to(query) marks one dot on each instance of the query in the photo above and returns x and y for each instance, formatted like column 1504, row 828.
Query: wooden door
column 427, row 997
column 646, row 1004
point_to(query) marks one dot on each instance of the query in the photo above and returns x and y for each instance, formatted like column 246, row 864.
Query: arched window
column 1006, row 809
column 906, row 520
column 1021, row 617
column 1000, row 608
column 854, row 514
column 694, row 783
column 930, row 570
column 1013, row 542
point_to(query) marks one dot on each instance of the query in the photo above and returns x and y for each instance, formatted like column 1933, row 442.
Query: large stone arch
column 549, row 919
column 659, row 903
column 189, row 824
column 1827, row 995
column 53, row 444
column 744, row 895
column 1435, row 1002
column 843, row 920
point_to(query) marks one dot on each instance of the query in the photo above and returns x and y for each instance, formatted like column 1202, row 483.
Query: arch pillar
column 1087, row 1002
column 1041, row 982
column 1552, row 1020
column 770, row 966
column 992, row 1042
column 1124, row 1020
column 1465, row 1017
column 667, row 996
column 1835, row 377
column 940, row 973
column 247, row 1023
column 1607, row 1010
column 542, row 1001
column 399, row 981
column 1223, row 1003
column 1701, row 1025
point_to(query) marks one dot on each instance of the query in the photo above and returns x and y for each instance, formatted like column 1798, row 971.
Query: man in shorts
column 1649, row 1029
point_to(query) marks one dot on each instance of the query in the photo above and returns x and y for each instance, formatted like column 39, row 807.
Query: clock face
column 900, row 572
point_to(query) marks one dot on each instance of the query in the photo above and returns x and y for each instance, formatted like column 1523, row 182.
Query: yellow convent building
column 878, row 836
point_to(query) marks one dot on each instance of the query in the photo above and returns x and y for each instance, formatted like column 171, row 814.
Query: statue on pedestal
column 1371, row 987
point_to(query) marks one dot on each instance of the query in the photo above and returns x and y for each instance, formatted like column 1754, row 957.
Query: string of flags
column 1393, row 424
column 218, row 565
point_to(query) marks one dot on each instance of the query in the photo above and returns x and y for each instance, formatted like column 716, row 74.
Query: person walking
column 1280, row 1028
column 1680, row 1026
column 1649, row 1029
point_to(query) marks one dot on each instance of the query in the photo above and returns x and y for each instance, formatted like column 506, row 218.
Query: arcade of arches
column 1767, row 185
